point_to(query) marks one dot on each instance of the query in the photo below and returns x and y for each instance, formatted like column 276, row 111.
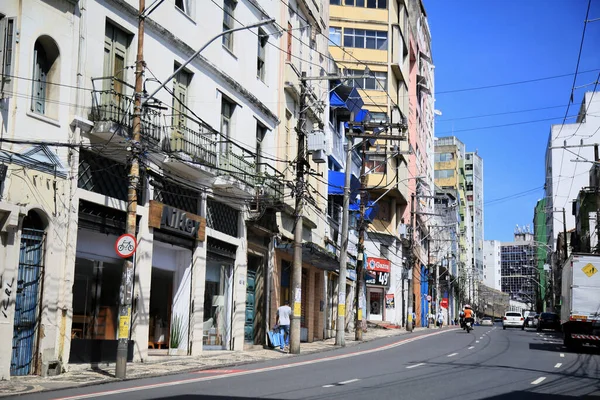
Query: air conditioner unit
column 319, row 156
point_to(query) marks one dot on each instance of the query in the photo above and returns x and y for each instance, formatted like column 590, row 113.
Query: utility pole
column 298, row 229
column 437, row 289
column 597, row 193
column 340, row 331
column 127, row 278
column 360, row 262
column 409, row 295
column 566, row 246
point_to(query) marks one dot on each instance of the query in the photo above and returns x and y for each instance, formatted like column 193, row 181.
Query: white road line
column 477, row 341
column 539, row 380
column 557, row 365
column 562, row 355
column 416, row 365
column 347, row 382
column 452, row 355
column 328, row 386
column 472, row 347
column 481, row 338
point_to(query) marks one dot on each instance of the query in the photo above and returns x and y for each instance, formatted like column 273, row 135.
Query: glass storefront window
column 95, row 300
column 217, row 305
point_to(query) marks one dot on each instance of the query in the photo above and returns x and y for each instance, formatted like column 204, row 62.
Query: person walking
column 440, row 318
column 283, row 320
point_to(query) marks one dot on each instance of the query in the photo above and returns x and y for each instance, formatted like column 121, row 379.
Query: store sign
column 377, row 278
column 352, row 274
column 389, row 301
column 444, row 303
column 176, row 220
column 378, row 264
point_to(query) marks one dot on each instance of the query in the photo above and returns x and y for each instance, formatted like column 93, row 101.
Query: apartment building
column 474, row 192
column 386, row 47
column 491, row 264
column 519, row 269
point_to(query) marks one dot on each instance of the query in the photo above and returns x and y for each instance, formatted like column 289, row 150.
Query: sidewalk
column 84, row 375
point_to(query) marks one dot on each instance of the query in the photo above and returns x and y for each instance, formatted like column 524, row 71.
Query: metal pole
column 437, row 289
column 409, row 295
column 360, row 262
column 298, row 230
column 340, row 336
column 597, row 192
column 127, row 278
column 566, row 246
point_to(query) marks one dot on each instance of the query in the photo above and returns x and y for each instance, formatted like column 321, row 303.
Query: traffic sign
column 428, row 298
column 444, row 303
column 126, row 245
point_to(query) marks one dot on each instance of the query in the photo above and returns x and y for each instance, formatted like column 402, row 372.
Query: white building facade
column 491, row 264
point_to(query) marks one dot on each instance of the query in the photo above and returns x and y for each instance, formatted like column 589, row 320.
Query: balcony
column 196, row 146
column 337, row 145
column 400, row 58
column 112, row 112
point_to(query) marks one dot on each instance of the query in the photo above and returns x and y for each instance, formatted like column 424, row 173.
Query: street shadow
column 524, row 395
column 559, row 348
column 209, row 397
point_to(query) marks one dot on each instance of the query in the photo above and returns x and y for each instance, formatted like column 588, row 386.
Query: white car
column 513, row 319
column 486, row 321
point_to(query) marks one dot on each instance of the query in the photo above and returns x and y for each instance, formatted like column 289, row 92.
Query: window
column 335, row 2
column 335, row 34
column 377, row 4
column 181, row 82
column 45, row 70
column 7, row 45
column 356, row 3
column 185, row 6
column 227, row 108
column 441, row 157
column 377, row 80
column 261, row 66
column 365, row 39
column 444, row 173
column 375, row 163
column 289, row 42
column 261, row 132
column 228, row 10
column 115, row 48
column 378, row 117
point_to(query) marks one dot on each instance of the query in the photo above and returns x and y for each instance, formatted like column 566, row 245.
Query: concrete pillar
column 239, row 287
column 310, row 307
column 198, row 288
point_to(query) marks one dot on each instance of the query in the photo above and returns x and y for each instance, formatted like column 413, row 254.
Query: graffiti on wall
column 7, row 290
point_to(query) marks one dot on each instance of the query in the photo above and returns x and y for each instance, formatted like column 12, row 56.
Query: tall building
column 492, row 276
column 386, row 46
column 450, row 157
column 518, row 268
column 542, row 250
column 565, row 177
column 474, row 192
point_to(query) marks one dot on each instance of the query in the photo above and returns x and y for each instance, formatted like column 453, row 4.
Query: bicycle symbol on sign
column 127, row 244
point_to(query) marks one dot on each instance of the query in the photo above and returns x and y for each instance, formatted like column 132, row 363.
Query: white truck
column 580, row 300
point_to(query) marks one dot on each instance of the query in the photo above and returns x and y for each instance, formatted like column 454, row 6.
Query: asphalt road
column 488, row 363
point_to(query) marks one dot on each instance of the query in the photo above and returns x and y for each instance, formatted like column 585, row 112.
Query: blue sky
column 481, row 43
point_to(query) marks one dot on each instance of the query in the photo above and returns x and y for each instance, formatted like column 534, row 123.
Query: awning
column 337, row 180
column 370, row 211
column 314, row 255
column 361, row 116
column 346, row 97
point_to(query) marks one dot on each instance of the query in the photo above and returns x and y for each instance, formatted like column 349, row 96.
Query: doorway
column 161, row 303
column 375, row 304
column 218, row 298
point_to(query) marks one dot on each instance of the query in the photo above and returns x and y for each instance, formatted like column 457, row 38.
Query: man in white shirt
column 283, row 319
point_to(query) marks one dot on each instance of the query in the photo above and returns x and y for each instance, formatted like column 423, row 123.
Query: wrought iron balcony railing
column 197, row 144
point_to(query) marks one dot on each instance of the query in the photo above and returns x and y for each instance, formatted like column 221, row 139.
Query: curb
column 194, row 369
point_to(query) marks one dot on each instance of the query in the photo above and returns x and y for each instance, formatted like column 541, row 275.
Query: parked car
column 531, row 321
column 487, row 321
column 513, row 319
column 497, row 319
column 548, row 320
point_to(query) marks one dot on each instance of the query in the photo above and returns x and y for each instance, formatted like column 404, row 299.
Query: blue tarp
column 361, row 116
column 346, row 97
column 370, row 210
column 337, row 180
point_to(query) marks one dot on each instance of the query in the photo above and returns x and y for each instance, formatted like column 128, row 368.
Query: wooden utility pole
column 127, row 278
column 298, row 229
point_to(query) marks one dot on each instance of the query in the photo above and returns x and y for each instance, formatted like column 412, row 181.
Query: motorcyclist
column 468, row 315
column 462, row 319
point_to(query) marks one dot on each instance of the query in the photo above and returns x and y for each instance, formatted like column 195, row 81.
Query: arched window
column 44, row 94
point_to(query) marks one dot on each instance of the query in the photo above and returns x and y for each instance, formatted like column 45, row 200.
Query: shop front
column 377, row 279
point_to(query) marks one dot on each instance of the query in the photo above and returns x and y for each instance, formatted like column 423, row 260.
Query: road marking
column 538, row 380
column 452, row 355
column 477, row 341
column 253, row 371
column 416, row 365
column 557, row 365
column 481, row 338
column 328, row 386
column 472, row 347
column 562, row 355
column 348, row 381
column 219, row 371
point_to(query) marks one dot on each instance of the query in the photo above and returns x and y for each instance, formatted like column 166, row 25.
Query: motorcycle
column 468, row 326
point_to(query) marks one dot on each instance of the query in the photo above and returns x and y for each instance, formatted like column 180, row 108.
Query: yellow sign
column 360, row 314
column 589, row 270
column 124, row 325
column 341, row 309
column 297, row 309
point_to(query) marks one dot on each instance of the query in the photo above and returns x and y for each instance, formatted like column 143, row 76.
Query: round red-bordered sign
column 126, row 245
